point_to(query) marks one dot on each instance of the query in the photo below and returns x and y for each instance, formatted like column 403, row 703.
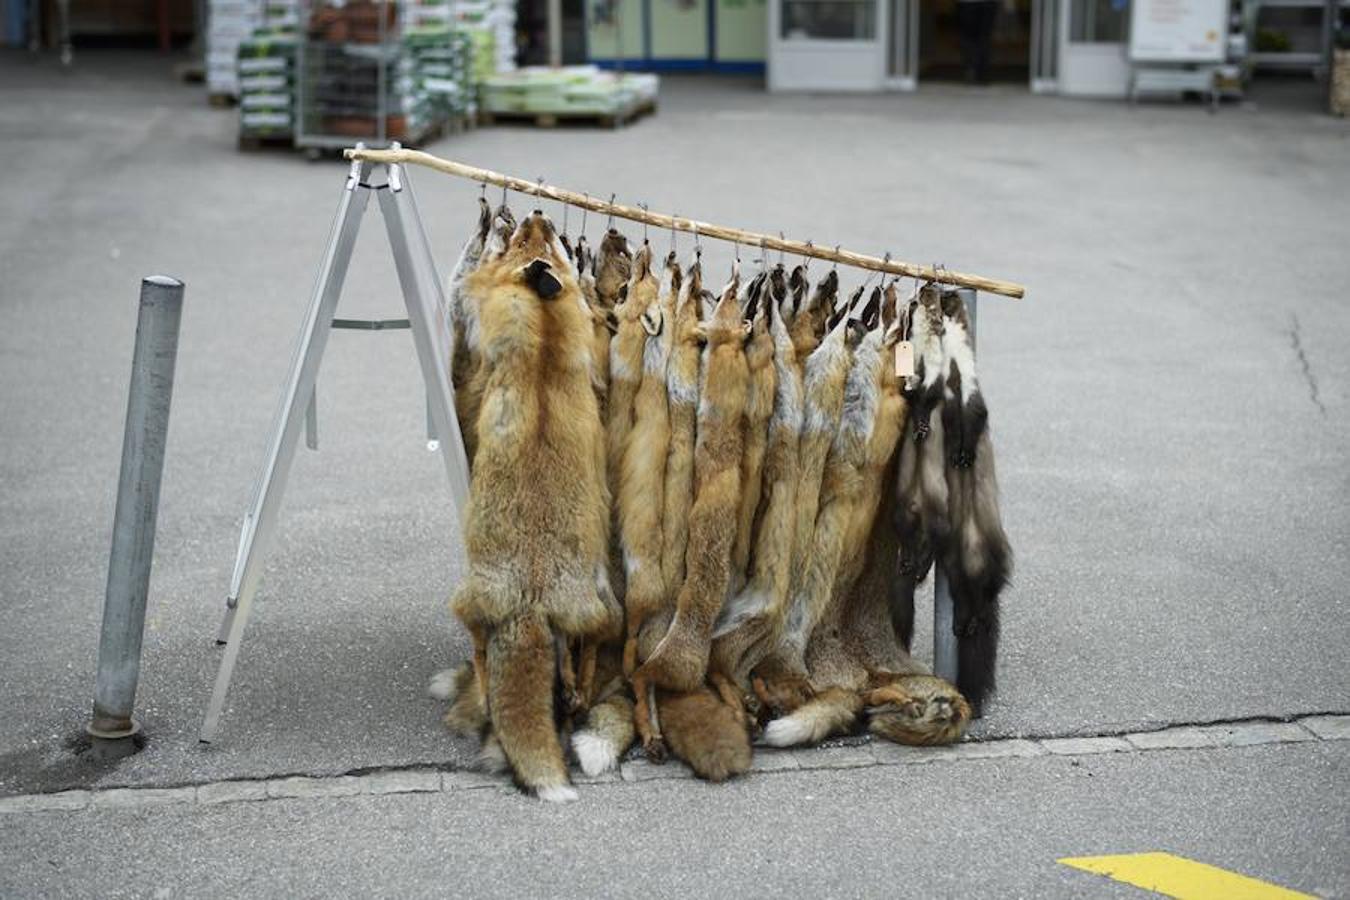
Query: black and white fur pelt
column 921, row 516
column 976, row 556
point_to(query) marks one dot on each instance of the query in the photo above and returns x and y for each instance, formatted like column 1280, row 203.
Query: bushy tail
column 832, row 711
column 521, row 665
column 704, row 732
column 607, row 736
column 978, row 564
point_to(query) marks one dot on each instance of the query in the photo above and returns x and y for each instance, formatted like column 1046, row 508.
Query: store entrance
column 940, row 39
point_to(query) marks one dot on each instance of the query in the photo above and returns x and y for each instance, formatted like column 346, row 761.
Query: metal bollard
column 944, row 610
column 112, row 728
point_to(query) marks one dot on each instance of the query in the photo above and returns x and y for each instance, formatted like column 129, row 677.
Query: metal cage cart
column 358, row 78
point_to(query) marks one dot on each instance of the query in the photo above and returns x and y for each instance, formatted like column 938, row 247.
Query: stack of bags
column 495, row 20
column 231, row 23
column 570, row 90
column 437, row 68
column 267, row 85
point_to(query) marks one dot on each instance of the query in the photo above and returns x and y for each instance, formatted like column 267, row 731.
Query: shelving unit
column 1309, row 34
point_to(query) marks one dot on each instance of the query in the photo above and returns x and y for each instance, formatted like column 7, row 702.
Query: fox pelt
column 536, row 526
column 854, row 658
column 682, row 394
column 976, row 556
column 780, row 679
column 625, row 372
column 752, row 621
column 680, row 660
column 494, row 230
column 755, row 420
column 641, row 499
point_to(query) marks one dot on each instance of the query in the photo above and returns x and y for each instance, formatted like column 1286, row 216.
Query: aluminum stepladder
column 423, row 295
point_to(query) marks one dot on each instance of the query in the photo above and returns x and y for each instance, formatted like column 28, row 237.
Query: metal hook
column 673, row 219
column 566, row 210
column 806, row 257
column 482, row 190
column 835, row 267
column 584, row 210
column 643, row 207
column 780, row 249
column 539, row 187
column 611, row 211
column 698, row 248
column 503, row 195
column 763, row 256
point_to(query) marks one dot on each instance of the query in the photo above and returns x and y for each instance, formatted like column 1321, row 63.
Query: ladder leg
column 422, row 294
column 260, row 522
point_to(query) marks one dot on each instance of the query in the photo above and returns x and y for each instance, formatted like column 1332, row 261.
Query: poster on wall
column 1180, row 31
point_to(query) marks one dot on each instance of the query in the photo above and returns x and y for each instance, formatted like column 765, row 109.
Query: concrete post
column 133, row 540
column 944, row 610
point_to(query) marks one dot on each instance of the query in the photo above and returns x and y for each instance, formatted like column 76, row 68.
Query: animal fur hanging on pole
column 976, row 556
column 625, row 363
column 780, row 681
column 921, row 514
column 754, row 422
column 682, row 394
column 642, row 475
column 680, row 660
column 752, row 622
column 536, row 527
column 854, row 658
column 464, row 355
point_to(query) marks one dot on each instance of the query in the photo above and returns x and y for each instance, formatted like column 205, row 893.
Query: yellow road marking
column 1176, row 876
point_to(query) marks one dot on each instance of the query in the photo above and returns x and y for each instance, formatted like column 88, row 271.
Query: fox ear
column 538, row 277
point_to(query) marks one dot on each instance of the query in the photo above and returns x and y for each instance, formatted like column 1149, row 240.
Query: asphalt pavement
column 1168, row 403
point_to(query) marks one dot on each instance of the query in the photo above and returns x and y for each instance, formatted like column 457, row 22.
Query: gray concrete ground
column 1169, row 405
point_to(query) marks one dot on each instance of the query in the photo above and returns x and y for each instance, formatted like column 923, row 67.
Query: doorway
column 940, row 42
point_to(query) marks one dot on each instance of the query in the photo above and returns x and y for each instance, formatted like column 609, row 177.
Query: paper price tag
column 904, row 360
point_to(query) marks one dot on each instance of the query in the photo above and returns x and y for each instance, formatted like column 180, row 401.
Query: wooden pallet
column 553, row 120
column 252, row 143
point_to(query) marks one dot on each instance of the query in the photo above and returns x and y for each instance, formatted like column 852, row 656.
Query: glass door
column 1092, row 59
column 827, row 45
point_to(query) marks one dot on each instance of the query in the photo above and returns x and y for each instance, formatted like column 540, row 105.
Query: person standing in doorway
column 975, row 23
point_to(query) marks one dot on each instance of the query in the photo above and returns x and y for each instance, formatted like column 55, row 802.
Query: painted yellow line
column 1176, row 876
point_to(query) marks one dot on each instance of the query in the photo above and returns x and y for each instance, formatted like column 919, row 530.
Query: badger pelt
column 755, row 421
column 682, row 395
column 976, row 557
column 679, row 661
column 536, row 526
column 642, row 512
column 625, row 368
column 780, row 679
column 752, row 621
column 855, row 660
column 921, row 516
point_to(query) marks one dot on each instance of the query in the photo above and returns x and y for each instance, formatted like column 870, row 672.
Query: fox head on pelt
column 535, row 249
column 528, row 293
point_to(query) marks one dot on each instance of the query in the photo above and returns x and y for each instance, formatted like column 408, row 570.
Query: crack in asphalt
column 1296, row 341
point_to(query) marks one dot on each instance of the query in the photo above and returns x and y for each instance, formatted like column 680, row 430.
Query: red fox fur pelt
column 536, row 527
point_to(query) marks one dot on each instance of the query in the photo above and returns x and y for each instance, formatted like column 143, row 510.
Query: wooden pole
column 693, row 226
